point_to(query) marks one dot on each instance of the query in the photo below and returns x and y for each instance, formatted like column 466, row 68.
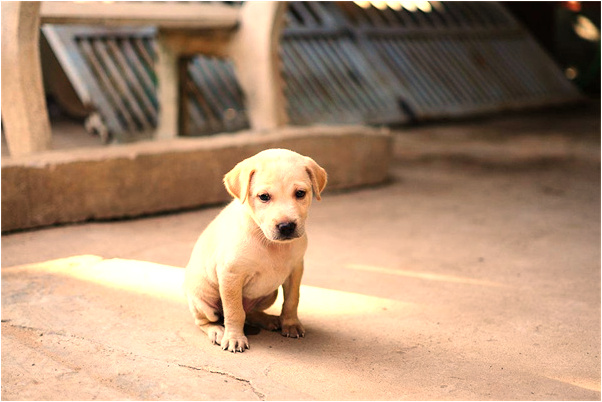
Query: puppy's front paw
column 292, row 329
column 234, row 343
column 215, row 334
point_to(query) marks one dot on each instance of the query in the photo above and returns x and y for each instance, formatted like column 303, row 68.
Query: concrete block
column 150, row 177
column 24, row 113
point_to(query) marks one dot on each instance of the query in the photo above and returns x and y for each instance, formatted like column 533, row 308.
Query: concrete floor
column 473, row 275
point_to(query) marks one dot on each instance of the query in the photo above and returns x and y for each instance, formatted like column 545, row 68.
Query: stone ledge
column 150, row 177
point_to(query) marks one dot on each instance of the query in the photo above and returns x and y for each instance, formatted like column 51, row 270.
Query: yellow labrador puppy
column 255, row 245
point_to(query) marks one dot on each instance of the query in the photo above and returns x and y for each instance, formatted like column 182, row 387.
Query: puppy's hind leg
column 207, row 319
column 258, row 318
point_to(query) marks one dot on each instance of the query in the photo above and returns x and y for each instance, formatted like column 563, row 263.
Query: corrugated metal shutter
column 342, row 63
column 445, row 59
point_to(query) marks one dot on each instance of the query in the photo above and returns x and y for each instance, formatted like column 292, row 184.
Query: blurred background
column 376, row 63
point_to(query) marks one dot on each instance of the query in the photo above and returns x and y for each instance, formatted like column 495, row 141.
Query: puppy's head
column 277, row 186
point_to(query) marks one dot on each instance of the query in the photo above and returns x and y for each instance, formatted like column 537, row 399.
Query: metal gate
column 113, row 72
column 383, row 62
column 372, row 63
column 328, row 77
column 212, row 101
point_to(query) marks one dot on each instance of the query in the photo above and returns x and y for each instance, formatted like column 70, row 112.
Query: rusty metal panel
column 212, row 101
column 328, row 78
column 112, row 71
column 341, row 63
column 415, row 60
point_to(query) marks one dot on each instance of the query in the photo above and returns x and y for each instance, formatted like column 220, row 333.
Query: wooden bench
column 249, row 35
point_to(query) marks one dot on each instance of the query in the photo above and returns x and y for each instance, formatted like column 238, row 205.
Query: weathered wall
column 144, row 178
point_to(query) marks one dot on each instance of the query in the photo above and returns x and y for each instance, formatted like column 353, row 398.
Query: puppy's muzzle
column 287, row 230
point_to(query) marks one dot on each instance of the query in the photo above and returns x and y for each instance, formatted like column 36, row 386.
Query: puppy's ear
column 317, row 175
column 238, row 180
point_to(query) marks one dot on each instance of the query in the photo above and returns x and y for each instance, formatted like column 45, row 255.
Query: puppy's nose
column 287, row 228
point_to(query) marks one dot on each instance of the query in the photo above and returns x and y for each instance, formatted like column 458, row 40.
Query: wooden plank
column 173, row 15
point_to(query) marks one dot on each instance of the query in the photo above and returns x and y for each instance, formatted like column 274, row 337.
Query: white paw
column 215, row 334
column 292, row 328
column 234, row 342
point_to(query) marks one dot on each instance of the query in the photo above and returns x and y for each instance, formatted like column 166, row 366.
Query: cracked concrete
column 466, row 277
column 215, row 371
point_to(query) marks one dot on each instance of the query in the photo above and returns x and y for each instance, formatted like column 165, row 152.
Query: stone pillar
column 24, row 113
column 255, row 52
column 168, row 82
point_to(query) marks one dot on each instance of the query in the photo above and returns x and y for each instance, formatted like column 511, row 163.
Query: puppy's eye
column 300, row 194
column 264, row 197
